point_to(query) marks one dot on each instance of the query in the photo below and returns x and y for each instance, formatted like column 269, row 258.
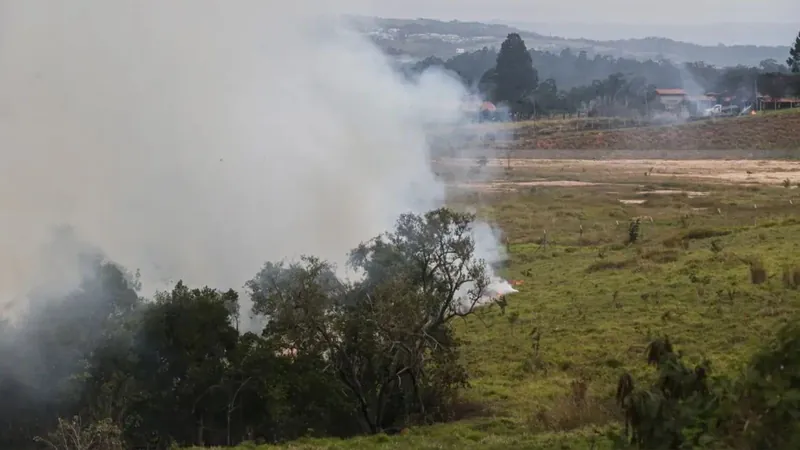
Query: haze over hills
column 710, row 34
column 420, row 38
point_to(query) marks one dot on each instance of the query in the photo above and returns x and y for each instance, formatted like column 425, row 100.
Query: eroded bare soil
column 584, row 172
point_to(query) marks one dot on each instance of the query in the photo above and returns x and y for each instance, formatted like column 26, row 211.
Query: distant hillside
column 422, row 38
column 776, row 33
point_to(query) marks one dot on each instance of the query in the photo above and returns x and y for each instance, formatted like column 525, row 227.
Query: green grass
column 497, row 434
column 596, row 302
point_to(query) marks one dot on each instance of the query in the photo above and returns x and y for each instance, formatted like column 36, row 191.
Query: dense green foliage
column 794, row 56
column 513, row 80
column 336, row 358
column 685, row 408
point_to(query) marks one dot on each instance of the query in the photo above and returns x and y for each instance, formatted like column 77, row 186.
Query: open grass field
column 543, row 371
column 768, row 130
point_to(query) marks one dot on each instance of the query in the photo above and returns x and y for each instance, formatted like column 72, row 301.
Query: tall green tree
column 183, row 351
column 387, row 339
column 513, row 80
column 794, row 56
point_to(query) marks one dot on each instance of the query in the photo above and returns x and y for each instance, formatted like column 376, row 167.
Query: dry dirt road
column 578, row 172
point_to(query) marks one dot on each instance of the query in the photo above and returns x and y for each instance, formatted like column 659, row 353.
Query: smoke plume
column 197, row 139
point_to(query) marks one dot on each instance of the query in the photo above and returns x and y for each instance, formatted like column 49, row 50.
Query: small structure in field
column 671, row 98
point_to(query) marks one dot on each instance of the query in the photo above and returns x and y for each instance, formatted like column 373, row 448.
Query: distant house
column 671, row 98
column 488, row 107
column 481, row 110
column 488, row 111
column 721, row 98
column 702, row 102
column 675, row 99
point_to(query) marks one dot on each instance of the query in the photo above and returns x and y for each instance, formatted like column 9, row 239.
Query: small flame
column 499, row 287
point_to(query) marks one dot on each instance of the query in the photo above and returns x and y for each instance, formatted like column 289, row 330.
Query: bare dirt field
column 736, row 171
column 529, row 172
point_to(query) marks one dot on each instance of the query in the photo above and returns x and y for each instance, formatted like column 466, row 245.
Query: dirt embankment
column 588, row 172
column 765, row 131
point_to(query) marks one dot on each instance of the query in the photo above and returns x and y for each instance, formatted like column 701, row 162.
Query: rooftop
column 670, row 92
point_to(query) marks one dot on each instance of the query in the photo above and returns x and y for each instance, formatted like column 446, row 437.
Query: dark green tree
column 774, row 85
column 183, row 350
column 547, row 96
column 513, row 80
column 794, row 56
column 386, row 339
column 46, row 357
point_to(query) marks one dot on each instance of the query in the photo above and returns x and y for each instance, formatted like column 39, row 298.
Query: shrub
column 634, row 228
column 686, row 409
column 758, row 273
column 704, row 233
column 74, row 435
column 767, row 398
column 791, row 277
column 574, row 410
column 661, row 256
column 677, row 404
column 610, row 265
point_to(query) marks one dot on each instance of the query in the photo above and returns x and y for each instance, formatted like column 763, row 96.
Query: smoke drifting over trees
column 171, row 138
column 195, row 140
column 571, row 81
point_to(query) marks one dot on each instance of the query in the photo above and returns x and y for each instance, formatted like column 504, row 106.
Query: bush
column 758, row 273
column 704, row 233
column 791, row 277
column 661, row 256
column 679, row 403
column 74, row 435
column 686, row 409
column 634, row 229
column 602, row 265
column 574, row 410
column 766, row 400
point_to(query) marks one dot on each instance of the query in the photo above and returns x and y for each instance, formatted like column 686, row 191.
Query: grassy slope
column 597, row 303
column 768, row 130
column 773, row 130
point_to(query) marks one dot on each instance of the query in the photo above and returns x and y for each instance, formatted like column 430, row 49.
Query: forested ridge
column 570, row 81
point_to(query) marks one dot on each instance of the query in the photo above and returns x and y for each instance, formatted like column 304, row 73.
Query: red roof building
column 488, row 106
column 670, row 92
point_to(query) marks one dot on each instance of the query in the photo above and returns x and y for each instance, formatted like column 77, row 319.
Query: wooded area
column 566, row 83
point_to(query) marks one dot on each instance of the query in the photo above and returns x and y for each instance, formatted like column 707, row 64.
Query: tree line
column 539, row 82
column 334, row 358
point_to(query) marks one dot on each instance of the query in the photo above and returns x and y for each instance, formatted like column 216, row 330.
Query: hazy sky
column 615, row 11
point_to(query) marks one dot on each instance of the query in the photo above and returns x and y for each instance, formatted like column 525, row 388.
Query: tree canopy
column 794, row 56
column 601, row 84
column 513, row 80
column 336, row 357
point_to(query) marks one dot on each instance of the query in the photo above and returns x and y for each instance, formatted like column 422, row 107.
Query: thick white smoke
column 197, row 139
